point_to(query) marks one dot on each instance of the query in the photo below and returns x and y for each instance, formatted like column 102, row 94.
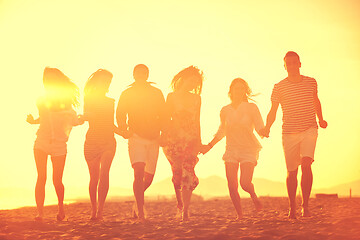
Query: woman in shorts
column 56, row 118
column 100, row 144
column 238, row 121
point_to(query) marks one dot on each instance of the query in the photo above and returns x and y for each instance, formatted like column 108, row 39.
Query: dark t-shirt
column 141, row 108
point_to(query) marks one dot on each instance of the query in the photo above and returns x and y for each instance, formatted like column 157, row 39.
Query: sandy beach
column 210, row 219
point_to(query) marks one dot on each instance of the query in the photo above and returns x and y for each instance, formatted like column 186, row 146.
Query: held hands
column 323, row 123
column 264, row 132
column 126, row 134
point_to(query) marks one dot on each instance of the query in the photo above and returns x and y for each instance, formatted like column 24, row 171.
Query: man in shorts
column 297, row 95
column 140, row 116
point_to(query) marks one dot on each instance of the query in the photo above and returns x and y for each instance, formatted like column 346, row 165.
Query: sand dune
column 211, row 219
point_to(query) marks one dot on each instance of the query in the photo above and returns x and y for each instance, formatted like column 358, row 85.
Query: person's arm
column 270, row 119
column 257, row 120
column 30, row 119
column 220, row 134
column 121, row 118
column 166, row 121
column 322, row 122
column 198, row 129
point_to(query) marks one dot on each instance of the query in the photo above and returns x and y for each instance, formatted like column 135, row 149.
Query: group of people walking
column 149, row 122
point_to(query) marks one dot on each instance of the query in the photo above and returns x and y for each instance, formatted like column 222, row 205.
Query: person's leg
column 176, row 180
column 106, row 160
column 307, row 151
column 58, row 163
column 40, row 160
column 138, row 187
column 148, row 178
column 291, row 184
column 232, row 179
column 94, row 169
column 306, row 184
column 247, row 170
column 186, row 198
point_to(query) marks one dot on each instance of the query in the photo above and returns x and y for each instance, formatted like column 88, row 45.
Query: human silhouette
column 298, row 96
column 141, row 116
column 182, row 137
column 100, row 143
column 56, row 119
column 238, row 121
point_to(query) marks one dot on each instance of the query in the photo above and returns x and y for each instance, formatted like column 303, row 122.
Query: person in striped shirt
column 298, row 97
column 100, row 144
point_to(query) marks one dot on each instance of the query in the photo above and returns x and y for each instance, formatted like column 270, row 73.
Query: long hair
column 98, row 83
column 60, row 90
column 248, row 92
column 177, row 81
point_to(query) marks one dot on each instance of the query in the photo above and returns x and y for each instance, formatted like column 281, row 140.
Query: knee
column 245, row 185
column 41, row 179
column 57, row 182
column 232, row 185
column 149, row 180
column 292, row 175
column 306, row 163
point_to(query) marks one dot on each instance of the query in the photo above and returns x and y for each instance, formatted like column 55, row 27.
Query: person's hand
column 81, row 119
column 30, row 119
column 204, row 148
column 323, row 123
column 264, row 132
column 126, row 134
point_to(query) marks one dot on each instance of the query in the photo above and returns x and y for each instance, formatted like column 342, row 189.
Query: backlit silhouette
column 100, row 144
column 297, row 95
column 183, row 139
column 141, row 116
column 238, row 121
column 56, row 119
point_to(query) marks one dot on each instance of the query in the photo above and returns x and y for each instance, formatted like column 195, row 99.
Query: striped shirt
column 99, row 112
column 297, row 103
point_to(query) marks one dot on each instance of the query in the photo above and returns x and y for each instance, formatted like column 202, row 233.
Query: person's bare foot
column 305, row 212
column 179, row 213
column 134, row 211
column 292, row 214
column 60, row 216
column 185, row 216
column 258, row 205
column 38, row 218
column 239, row 218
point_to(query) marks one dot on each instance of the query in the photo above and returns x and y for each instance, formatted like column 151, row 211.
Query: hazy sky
column 226, row 39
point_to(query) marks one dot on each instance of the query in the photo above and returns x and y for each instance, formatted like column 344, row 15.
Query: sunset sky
column 226, row 39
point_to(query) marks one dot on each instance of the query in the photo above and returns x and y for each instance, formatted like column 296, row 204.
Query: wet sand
column 211, row 219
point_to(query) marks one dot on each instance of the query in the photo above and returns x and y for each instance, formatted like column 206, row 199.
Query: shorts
column 233, row 156
column 144, row 150
column 299, row 145
column 51, row 147
column 94, row 151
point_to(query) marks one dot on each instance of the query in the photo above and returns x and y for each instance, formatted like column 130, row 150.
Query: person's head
column 98, row 83
column 60, row 88
column 189, row 79
column 141, row 73
column 239, row 90
column 292, row 62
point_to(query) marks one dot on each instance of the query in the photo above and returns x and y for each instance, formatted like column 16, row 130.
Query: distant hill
column 343, row 190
